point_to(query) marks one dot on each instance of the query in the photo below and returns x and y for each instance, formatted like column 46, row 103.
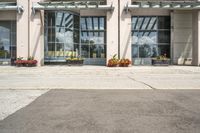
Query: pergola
column 72, row 5
column 172, row 5
column 11, row 6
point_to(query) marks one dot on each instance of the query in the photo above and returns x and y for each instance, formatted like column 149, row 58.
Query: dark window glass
column 51, row 19
column 163, row 22
column 85, row 51
column 51, row 35
column 144, row 51
column 164, row 49
column 163, row 36
column 76, row 22
column 76, row 36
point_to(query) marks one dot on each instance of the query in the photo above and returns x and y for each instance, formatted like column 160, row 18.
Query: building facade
column 52, row 30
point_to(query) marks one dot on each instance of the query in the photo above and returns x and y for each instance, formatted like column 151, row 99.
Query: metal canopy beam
column 78, row 5
column 172, row 5
column 11, row 6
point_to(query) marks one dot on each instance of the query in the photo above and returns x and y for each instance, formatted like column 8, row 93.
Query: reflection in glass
column 93, row 37
column 135, row 51
column 144, row 23
column 164, row 49
column 85, row 51
column 163, row 36
column 150, row 36
column 61, row 35
column 7, row 39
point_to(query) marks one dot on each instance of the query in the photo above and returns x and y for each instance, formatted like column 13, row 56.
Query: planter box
column 160, row 62
column 26, row 63
column 74, row 62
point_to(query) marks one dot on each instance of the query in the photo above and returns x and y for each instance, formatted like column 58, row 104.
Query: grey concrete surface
column 13, row 100
column 100, row 77
column 108, row 111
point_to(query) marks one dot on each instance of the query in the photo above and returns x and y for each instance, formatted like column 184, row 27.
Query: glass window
column 102, row 25
column 51, row 19
column 152, row 24
column 163, row 36
column 150, row 36
column 85, row 51
column 7, row 39
column 83, row 23
column 135, row 51
column 164, row 49
column 95, row 23
column 163, row 22
column 89, row 23
column 145, row 51
column 93, row 37
column 62, row 35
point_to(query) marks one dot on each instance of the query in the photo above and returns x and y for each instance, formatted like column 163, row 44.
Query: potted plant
column 113, row 62
column 161, row 61
column 124, row 62
column 74, row 61
column 29, row 62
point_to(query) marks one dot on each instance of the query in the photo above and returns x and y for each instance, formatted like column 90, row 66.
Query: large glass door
column 150, row 38
column 7, row 41
column 93, row 40
column 61, row 35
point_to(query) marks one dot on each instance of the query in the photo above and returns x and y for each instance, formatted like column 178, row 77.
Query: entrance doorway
column 68, row 34
column 61, row 36
column 150, row 38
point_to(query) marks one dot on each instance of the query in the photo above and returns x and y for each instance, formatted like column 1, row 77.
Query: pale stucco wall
column 22, row 30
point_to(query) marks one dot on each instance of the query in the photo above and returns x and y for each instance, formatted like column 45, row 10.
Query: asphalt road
column 108, row 111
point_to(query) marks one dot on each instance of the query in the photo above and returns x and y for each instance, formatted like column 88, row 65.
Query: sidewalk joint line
column 153, row 88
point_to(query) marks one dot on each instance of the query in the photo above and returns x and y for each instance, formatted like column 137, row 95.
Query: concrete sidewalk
column 100, row 77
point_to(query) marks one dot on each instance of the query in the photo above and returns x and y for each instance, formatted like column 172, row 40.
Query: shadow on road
column 108, row 111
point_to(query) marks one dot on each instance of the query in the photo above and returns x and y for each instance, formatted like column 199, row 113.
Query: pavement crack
column 153, row 88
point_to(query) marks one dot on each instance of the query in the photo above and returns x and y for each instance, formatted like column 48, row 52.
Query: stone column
column 22, row 30
column 125, row 31
column 196, row 38
column 112, row 30
column 37, row 35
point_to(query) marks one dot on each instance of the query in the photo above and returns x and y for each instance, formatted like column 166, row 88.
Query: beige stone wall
column 182, row 40
column 196, row 38
column 112, row 30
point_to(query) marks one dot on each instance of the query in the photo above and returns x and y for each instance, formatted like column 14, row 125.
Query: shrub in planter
column 74, row 61
column 30, row 62
column 113, row 62
column 124, row 62
column 161, row 61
